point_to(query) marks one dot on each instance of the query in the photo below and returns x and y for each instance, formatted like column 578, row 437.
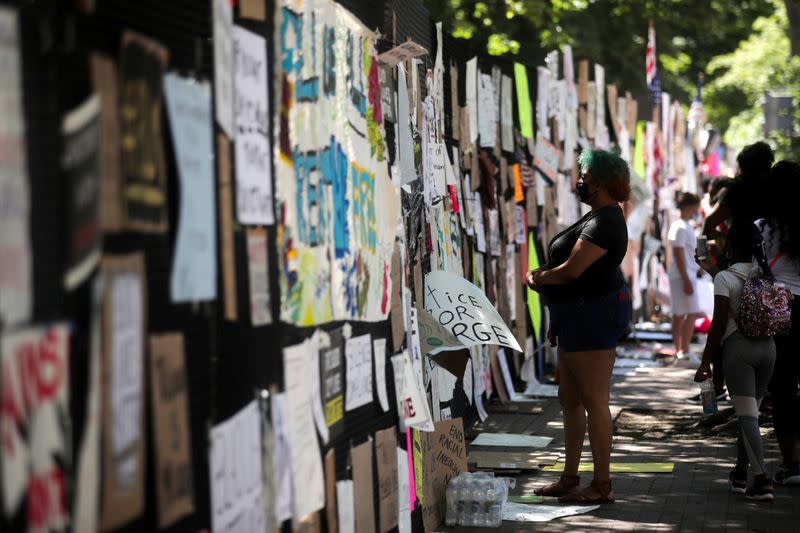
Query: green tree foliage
column 689, row 33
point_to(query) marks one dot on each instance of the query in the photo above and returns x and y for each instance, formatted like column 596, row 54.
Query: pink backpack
column 764, row 308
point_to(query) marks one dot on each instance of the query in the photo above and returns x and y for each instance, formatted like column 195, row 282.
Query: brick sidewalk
column 695, row 497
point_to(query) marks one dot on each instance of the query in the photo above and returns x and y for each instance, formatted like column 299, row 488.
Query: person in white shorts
column 682, row 273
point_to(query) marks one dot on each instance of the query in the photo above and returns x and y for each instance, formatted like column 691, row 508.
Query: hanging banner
column 35, row 452
column 144, row 174
column 337, row 205
column 16, row 292
column 80, row 164
column 465, row 310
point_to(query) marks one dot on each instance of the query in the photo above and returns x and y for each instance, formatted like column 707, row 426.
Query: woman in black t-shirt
column 588, row 299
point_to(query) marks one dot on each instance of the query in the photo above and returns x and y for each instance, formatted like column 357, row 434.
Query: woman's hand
column 703, row 372
column 706, row 265
column 532, row 279
column 688, row 288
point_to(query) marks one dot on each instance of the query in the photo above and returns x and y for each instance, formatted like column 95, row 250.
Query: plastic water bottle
column 478, row 503
column 464, row 506
column 494, row 504
column 709, row 397
column 453, row 500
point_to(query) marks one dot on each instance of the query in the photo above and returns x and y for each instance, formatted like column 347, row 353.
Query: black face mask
column 582, row 188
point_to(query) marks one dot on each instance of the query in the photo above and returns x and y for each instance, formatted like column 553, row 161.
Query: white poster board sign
column 464, row 309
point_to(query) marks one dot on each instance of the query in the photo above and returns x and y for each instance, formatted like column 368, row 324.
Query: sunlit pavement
column 694, row 497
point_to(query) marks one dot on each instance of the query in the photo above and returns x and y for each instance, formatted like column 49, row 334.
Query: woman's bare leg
column 591, row 370
column 574, row 416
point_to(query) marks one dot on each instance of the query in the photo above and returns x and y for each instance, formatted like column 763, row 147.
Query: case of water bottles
column 476, row 499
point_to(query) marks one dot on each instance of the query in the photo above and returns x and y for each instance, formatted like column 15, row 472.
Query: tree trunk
column 793, row 12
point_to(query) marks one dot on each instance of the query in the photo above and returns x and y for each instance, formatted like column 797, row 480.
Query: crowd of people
column 751, row 230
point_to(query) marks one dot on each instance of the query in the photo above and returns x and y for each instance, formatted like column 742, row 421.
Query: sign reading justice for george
column 463, row 309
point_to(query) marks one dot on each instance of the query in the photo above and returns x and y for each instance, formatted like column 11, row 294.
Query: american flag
column 697, row 113
column 651, row 70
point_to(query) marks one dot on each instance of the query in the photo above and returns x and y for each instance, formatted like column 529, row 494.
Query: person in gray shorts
column 748, row 365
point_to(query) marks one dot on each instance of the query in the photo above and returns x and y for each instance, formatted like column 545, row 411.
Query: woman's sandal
column 564, row 486
column 603, row 490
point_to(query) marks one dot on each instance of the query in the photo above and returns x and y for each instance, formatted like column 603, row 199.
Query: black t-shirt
column 607, row 229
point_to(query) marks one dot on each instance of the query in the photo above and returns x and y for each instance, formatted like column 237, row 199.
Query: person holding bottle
column 748, row 364
column 589, row 302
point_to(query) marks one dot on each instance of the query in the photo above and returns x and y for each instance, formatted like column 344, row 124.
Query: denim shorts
column 592, row 323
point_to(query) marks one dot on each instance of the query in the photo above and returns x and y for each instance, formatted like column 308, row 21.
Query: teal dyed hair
column 608, row 170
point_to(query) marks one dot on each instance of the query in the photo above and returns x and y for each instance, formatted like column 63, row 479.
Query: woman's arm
column 718, row 324
column 583, row 254
column 716, row 217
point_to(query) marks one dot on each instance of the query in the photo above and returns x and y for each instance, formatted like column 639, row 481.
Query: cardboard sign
column 401, row 53
column 363, row 506
column 444, row 456
column 464, row 309
column 171, row 435
column 545, row 158
column 225, row 196
column 386, row 458
column 105, row 82
column 124, row 324
column 144, row 173
column 80, row 164
column 34, row 455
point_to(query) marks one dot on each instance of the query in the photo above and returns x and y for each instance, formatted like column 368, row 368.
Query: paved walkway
column 695, row 497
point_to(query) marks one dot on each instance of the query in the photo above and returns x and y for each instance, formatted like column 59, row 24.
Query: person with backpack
column 781, row 232
column 749, row 357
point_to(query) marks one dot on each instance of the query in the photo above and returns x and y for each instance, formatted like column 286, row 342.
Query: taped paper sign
column 80, row 164
column 309, row 487
column 223, row 64
column 412, row 406
column 34, row 455
column 464, row 309
column 358, row 353
column 337, row 203
column 16, row 292
column 545, row 158
column 258, row 276
column 253, row 169
column 332, row 381
column 124, row 324
column 401, row 53
column 236, row 483
column 523, row 100
column 144, row 173
column 194, row 270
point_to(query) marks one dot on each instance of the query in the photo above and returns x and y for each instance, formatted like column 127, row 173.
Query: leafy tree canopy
column 689, row 35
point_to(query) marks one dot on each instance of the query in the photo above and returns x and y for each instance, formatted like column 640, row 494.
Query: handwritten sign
column 144, row 173
column 235, row 473
column 16, row 301
column 194, row 269
column 411, row 404
column 379, row 353
column 80, row 164
column 386, row 458
column 171, row 435
column 464, row 309
column 444, row 456
column 258, row 275
column 35, row 445
column 401, row 53
column 332, row 382
column 358, row 352
column 223, row 64
column 252, row 156
column 545, row 158
column 124, row 324
column 306, row 461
